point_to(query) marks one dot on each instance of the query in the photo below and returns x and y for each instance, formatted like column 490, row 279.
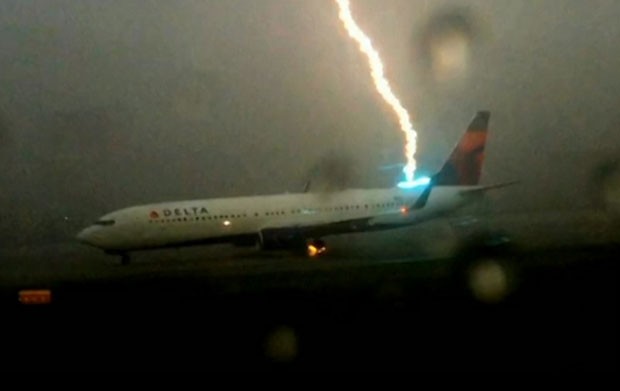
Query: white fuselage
column 225, row 219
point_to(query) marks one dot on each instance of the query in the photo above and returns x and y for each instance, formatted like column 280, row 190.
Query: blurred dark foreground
column 557, row 311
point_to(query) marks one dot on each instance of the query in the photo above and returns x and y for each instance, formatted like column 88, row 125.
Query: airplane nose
column 84, row 235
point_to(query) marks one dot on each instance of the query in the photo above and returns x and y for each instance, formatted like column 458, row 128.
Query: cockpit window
column 104, row 222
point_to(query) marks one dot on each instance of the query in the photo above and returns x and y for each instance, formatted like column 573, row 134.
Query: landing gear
column 125, row 259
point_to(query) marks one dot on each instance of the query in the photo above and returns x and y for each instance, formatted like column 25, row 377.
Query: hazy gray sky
column 104, row 104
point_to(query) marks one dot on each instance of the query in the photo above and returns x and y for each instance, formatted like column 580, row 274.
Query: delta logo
column 188, row 212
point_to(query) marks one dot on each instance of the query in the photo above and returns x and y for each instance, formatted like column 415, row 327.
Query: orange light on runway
column 39, row 296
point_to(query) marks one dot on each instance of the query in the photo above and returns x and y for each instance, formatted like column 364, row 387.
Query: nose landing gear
column 125, row 259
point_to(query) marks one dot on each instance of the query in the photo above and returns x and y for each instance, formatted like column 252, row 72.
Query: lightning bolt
column 382, row 85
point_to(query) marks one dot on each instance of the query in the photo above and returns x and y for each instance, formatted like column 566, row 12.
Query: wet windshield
column 310, row 183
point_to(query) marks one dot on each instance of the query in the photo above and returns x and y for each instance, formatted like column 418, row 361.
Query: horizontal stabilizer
column 483, row 189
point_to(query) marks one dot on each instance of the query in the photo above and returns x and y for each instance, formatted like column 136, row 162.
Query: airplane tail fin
column 464, row 165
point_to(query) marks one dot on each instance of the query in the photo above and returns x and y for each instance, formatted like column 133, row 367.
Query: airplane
column 297, row 222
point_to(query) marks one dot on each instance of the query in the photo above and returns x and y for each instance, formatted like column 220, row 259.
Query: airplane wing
column 483, row 189
column 320, row 229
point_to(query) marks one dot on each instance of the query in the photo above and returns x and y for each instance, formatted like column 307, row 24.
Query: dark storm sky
column 105, row 104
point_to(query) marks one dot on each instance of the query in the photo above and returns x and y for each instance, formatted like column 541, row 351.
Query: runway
column 394, row 302
column 49, row 264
